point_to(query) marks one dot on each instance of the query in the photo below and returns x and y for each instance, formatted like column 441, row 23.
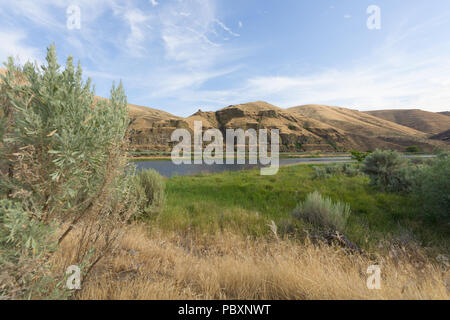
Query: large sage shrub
column 388, row 171
column 63, row 157
column 433, row 189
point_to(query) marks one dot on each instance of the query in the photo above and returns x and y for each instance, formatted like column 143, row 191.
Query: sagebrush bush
column 433, row 189
column 388, row 171
column 334, row 169
column 150, row 187
column 322, row 212
column 320, row 173
column 63, row 155
column 24, row 245
column 350, row 170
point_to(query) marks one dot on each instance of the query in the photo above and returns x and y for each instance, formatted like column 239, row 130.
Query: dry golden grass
column 156, row 265
column 354, row 121
column 425, row 121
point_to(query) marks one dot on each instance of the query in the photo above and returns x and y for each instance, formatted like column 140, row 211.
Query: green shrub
column 323, row 213
column 25, row 244
column 387, row 171
column 350, row 170
column 150, row 187
column 433, row 189
column 63, row 155
column 320, row 173
column 333, row 168
column 412, row 149
column 359, row 156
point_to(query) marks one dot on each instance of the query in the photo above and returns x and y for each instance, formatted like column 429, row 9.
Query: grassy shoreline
column 246, row 202
column 215, row 240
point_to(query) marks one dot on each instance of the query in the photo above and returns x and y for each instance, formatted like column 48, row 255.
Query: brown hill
column 311, row 127
column 296, row 132
column 353, row 120
column 152, row 128
column 443, row 136
column 365, row 131
column 428, row 122
column 447, row 113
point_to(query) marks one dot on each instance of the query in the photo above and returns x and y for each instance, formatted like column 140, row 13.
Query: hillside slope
column 365, row 131
column 303, row 128
column 296, row 132
column 151, row 128
column 428, row 122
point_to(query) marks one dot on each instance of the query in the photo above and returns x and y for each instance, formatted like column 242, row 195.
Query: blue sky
column 185, row 55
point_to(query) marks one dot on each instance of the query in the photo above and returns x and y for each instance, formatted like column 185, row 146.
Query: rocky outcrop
column 305, row 128
column 443, row 136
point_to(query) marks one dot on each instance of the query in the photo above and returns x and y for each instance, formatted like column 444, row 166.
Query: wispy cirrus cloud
column 13, row 44
column 179, row 54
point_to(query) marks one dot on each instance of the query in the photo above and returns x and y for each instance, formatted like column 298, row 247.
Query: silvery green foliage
column 433, row 189
column 320, row 173
column 62, row 160
column 388, row 171
column 150, row 187
column 25, row 244
column 323, row 213
column 61, row 133
column 335, row 169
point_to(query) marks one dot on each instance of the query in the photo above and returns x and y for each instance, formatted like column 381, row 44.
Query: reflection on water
column 168, row 169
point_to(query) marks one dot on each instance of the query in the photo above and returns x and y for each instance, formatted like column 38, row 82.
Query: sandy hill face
column 428, row 122
column 353, row 120
column 443, row 136
column 296, row 132
column 446, row 113
column 310, row 127
column 151, row 128
column 365, row 131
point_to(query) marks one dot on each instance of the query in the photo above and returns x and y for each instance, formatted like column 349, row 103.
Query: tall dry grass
column 158, row 265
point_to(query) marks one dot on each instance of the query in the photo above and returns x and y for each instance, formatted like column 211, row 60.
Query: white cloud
column 13, row 45
column 137, row 22
column 417, row 82
column 397, row 75
column 192, row 40
column 154, row 3
column 224, row 27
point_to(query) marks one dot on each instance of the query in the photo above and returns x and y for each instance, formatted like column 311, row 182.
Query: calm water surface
column 168, row 169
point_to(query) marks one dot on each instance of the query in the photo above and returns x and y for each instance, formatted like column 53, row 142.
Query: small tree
column 412, row 149
column 358, row 155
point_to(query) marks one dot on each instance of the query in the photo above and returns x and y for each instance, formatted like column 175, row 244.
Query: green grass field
column 246, row 202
